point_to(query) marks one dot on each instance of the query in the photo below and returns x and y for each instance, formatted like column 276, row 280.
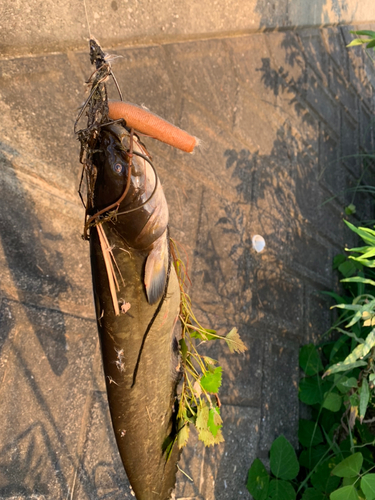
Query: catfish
column 137, row 302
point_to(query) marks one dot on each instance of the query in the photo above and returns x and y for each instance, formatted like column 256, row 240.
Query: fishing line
column 87, row 18
column 153, row 192
column 110, row 70
column 111, row 215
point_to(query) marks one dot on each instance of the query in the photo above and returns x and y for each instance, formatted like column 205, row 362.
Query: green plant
column 337, row 452
column 337, row 445
column 370, row 41
column 199, row 403
column 367, row 159
column 284, row 469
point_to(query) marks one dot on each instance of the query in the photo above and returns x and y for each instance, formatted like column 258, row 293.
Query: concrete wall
column 280, row 115
column 42, row 27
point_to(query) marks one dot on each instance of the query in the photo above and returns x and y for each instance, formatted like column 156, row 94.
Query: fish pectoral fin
column 156, row 269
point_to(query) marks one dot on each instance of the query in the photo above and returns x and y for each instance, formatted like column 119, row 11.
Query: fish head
column 140, row 207
column 112, row 165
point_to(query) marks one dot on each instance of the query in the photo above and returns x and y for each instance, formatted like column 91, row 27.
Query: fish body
column 139, row 341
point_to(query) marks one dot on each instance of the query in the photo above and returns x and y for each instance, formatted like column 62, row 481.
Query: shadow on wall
column 31, row 270
column 24, row 459
column 294, row 196
column 294, row 191
column 318, row 12
column 30, row 465
column 38, row 455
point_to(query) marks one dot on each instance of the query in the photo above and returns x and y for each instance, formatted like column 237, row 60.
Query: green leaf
column 349, row 383
column 367, row 253
column 347, row 268
column 368, row 307
column 364, row 399
column 350, row 209
column 365, row 233
column 336, row 296
column 345, row 493
column 322, row 479
column 234, row 341
column 355, row 319
column 359, row 249
column 358, row 279
column 283, row 459
column 342, row 367
column 281, row 490
column 212, row 381
column 167, row 446
column 309, row 360
column 338, row 346
column 359, row 352
column 209, row 439
column 351, row 334
column 370, row 44
column 368, row 486
column 313, row 494
column 214, row 421
column 367, row 230
column 202, row 417
column 258, row 480
column 209, row 361
column 365, row 436
column 363, row 349
column 183, row 348
column 356, row 41
column 354, row 400
column 332, row 401
column 348, row 481
column 364, row 33
column 310, row 458
column 183, row 436
column 349, row 307
column 309, row 433
column 310, row 391
column 350, row 466
column 204, row 433
column 339, row 379
column 203, row 334
column 363, row 261
column 337, row 260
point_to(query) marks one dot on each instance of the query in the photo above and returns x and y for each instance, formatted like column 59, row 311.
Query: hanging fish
column 136, row 291
column 137, row 304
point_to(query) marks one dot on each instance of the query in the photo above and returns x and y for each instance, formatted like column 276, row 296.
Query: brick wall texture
column 282, row 117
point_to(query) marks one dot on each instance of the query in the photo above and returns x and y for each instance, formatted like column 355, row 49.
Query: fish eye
column 118, row 168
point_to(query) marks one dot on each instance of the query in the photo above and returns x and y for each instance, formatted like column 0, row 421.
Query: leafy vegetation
column 337, row 445
column 369, row 41
column 199, row 402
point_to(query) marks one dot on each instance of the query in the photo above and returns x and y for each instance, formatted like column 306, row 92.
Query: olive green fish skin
column 143, row 416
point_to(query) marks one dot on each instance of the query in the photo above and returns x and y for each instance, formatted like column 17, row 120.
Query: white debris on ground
column 258, row 243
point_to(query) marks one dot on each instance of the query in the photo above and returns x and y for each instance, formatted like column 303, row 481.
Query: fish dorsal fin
column 156, row 269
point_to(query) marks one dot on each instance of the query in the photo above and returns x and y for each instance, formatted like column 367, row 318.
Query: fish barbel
column 137, row 300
